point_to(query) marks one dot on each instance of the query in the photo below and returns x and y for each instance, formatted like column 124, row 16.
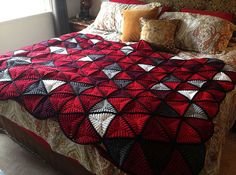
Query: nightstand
column 77, row 24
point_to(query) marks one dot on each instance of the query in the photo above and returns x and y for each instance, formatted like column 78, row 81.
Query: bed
column 99, row 153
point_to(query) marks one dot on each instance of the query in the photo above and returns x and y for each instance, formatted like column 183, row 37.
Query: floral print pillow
column 201, row 33
column 110, row 15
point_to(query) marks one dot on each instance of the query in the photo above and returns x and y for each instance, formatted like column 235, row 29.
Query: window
column 12, row 9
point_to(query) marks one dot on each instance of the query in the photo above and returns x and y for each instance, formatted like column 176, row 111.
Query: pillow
column 232, row 43
column 201, row 33
column 128, row 1
column 222, row 15
column 233, row 40
column 164, row 8
column 160, row 33
column 110, row 16
column 131, row 28
column 234, row 29
column 229, row 58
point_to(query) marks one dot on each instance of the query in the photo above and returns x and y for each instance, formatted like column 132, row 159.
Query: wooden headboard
column 214, row 5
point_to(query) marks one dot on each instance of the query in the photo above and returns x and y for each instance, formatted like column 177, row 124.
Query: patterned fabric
column 160, row 33
column 89, row 157
column 128, row 1
column 215, row 5
column 232, row 43
column 201, row 33
column 49, row 130
column 111, row 36
column 143, row 107
column 110, row 16
column 230, row 58
column 223, row 15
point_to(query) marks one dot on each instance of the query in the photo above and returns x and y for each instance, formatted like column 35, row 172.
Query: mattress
column 88, row 155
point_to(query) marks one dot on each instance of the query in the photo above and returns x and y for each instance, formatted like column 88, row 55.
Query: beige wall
column 73, row 7
column 29, row 30
column 25, row 31
column 95, row 7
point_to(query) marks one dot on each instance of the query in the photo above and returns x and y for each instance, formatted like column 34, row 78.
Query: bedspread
column 142, row 107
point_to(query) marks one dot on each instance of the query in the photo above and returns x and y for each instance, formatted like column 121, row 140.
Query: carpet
column 228, row 158
column 16, row 160
column 1, row 172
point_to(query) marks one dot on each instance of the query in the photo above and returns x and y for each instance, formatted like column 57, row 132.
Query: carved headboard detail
column 214, row 5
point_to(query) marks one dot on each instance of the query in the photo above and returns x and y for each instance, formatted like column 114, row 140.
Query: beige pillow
column 201, row 33
column 160, row 33
column 131, row 28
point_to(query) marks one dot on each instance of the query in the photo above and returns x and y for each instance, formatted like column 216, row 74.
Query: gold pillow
column 160, row 33
column 131, row 26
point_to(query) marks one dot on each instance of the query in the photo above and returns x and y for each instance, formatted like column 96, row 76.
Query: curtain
column 60, row 15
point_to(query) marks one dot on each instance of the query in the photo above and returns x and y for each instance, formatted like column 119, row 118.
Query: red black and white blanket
column 150, row 112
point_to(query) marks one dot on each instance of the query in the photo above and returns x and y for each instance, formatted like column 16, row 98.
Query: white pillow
column 110, row 16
